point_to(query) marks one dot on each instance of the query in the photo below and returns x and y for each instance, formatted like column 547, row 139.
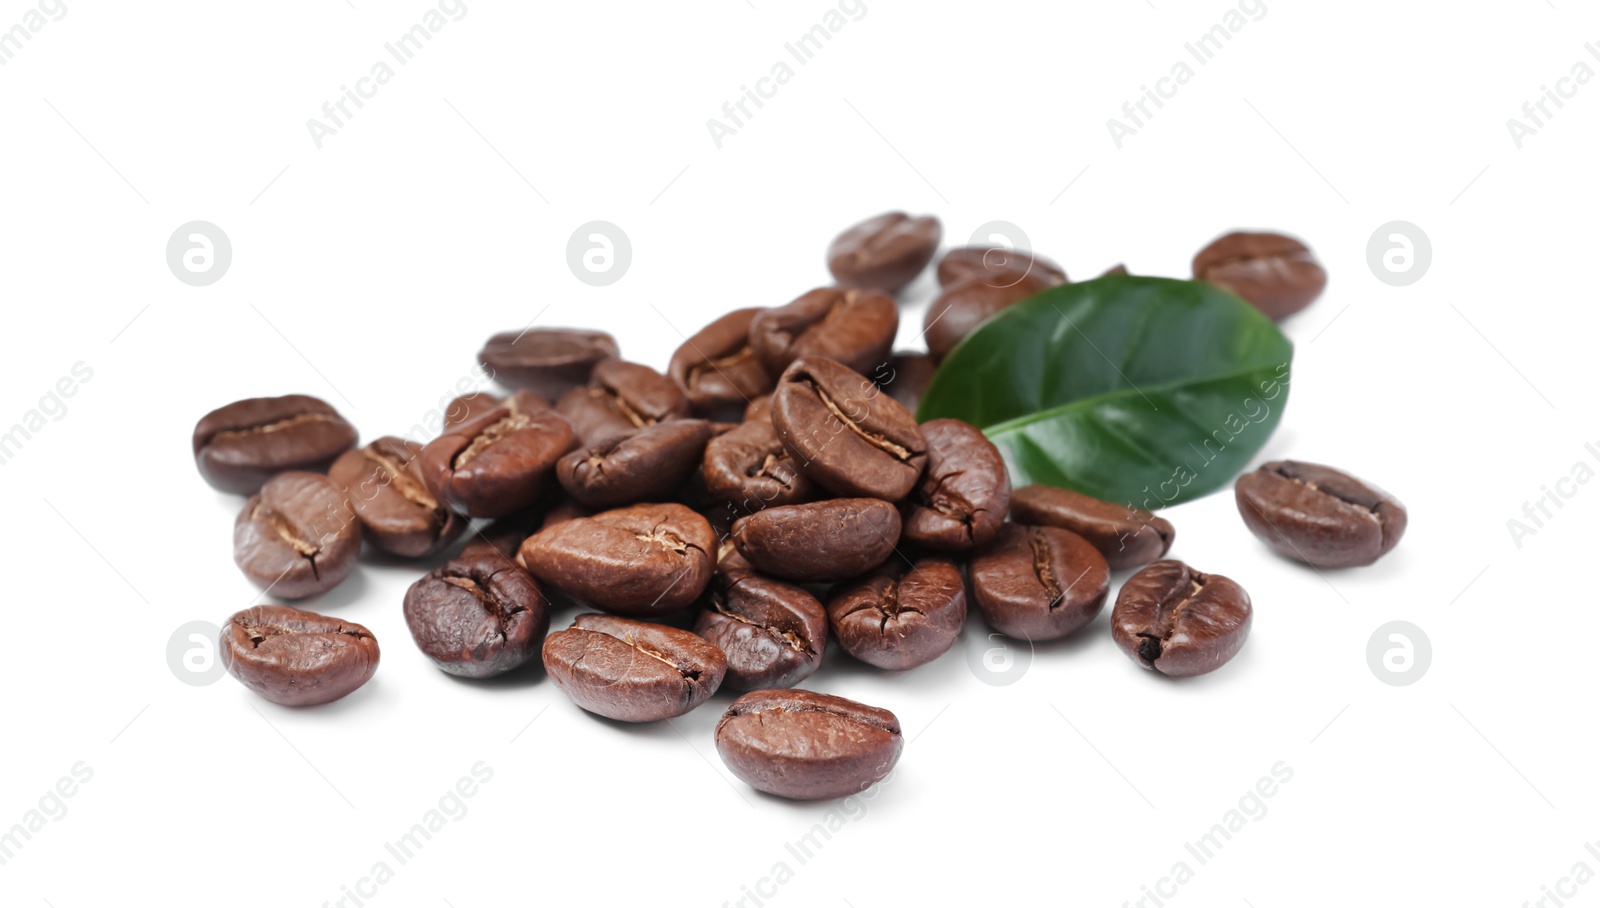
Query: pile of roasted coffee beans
column 727, row 518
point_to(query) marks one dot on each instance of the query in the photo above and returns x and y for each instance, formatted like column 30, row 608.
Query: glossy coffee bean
column 900, row 616
column 884, row 253
column 242, row 445
column 855, row 327
column 819, row 542
column 760, row 409
column 996, row 264
column 906, row 378
column 500, row 462
column 717, row 368
column 960, row 502
column 1172, row 619
column 1319, row 515
column 645, row 560
column 632, row 671
column 397, row 512
column 621, row 397
column 845, row 433
column 1274, row 273
column 963, row 306
column 297, row 537
column 294, row 657
column 807, row 746
column 547, row 361
column 1128, row 537
column 750, row 469
column 503, row 537
column 467, row 407
column 477, row 617
column 773, row 633
column 643, row 465
column 1039, row 583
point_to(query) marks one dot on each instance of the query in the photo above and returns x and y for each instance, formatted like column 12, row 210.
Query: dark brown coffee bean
column 855, row 327
column 1128, row 537
column 884, row 253
column 717, row 368
column 1319, row 515
column 504, row 537
column 1274, row 273
column 760, row 409
column 1117, row 270
column 621, row 397
column 1173, row 619
column 644, row 465
column 242, row 445
column 961, row 499
column 297, row 658
column 808, row 746
column 467, row 407
column 632, row 671
column 397, row 512
column 500, row 462
column 547, row 361
column 998, row 265
column 900, row 616
column 963, row 306
column 1039, row 583
column 845, row 433
column 477, row 617
column 906, row 378
column 773, row 633
column 750, row 469
column 297, row 537
column 819, row 542
column 649, row 559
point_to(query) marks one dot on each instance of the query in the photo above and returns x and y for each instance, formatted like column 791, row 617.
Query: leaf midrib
column 1087, row 402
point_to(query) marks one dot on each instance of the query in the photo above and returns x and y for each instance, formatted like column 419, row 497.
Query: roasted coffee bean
column 397, row 512
column 500, row 462
column 242, row 445
column 467, row 407
column 900, row 616
column 1274, row 273
column 1128, row 537
column 1117, row 270
column 884, row 253
column 563, row 512
column 998, row 265
column 773, row 633
column 963, row 306
column 1173, row 619
column 649, row 559
column 819, row 542
column 760, row 409
column 644, row 465
column 1039, row 583
column 1319, row 515
column 296, row 537
column 855, row 327
column 547, row 361
column 906, row 378
column 296, row 658
column 503, row 538
column 750, row 469
column 807, row 746
column 961, row 499
column 845, row 433
column 621, row 397
column 477, row 617
column 632, row 671
column 717, row 368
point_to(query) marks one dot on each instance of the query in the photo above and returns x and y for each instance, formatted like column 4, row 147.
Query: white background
column 370, row 271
